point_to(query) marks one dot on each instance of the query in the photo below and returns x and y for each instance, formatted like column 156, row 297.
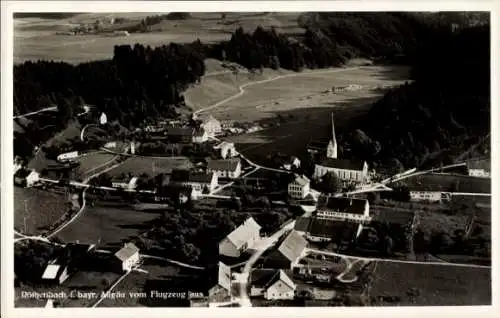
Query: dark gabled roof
column 344, row 164
column 338, row 231
column 179, row 175
column 342, row 205
column 293, row 246
column 126, row 252
column 302, row 224
column 223, row 165
column 448, row 183
column 179, row 131
column 264, row 278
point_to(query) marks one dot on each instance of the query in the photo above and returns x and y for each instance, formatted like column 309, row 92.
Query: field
column 150, row 166
column 109, row 225
column 36, row 38
column 83, row 281
column 430, row 222
column 136, row 282
column 433, row 285
column 91, row 163
column 43, row 208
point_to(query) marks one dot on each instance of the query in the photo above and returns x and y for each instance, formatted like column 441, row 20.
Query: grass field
column 43, row 208
column 36, row 38
column 430, row 222
column 151, row 166
column 83, row 281
column 135, row 282
column 90, row 164
column 435, row 285
column 110, row 225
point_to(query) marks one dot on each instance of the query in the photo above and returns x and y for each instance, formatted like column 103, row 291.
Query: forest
column 444, row 111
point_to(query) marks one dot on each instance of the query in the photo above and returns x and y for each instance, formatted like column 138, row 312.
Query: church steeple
column 331, row 151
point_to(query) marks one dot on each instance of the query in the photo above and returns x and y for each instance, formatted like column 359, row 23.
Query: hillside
column 441, row 114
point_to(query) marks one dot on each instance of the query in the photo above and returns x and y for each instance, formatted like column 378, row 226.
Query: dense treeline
column 329, row 40
column 443, row 112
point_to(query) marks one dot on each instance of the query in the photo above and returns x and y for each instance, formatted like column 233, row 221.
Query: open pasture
column 432, row 285
column 37, row 38
column 37, row 208
column 151, row 166
column 111, row 226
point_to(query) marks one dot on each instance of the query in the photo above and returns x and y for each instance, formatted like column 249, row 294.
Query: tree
column 330, row 183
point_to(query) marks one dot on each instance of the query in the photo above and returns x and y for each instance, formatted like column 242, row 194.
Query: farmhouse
column 227, row 150
column 342, row 209
column 479, row 168
column 271, row 284
column 289, row 252
column 125, row 183
column 211, row 125
column 346, row 170
column 221, row 291
column 127, row 256
column 225, row 168
column 435, row 187
column 241, row 239
column 200, row 182
column 338, row 232
column 299, row 187
column 67, row 156
column 291, row 163
column 26, row 178
column 200, row 136
column 61, row 268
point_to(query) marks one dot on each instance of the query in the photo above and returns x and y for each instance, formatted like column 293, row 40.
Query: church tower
column 331, row 150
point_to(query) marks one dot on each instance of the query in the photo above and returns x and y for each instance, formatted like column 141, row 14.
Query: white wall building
column 212, row 126
column 346, row 170
column 343, row 209
column 128, row 184
column 228, row 168
column 227, row 150
column 241, row 239
column 299, row 187
column 67, row 156
column 103, row 119
column 128, row 256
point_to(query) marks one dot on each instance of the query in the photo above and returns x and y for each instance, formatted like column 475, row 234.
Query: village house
column 241, row 239
column 289, row 252
column 271, row 284
column 291, row 163
column 347, row 171
column 221, row 291
column 200, row 136
column 26, row 177
column 479, row 168
column 127, row 257
column 225, row 168
column 67, row 156
column 299, row 187
column 200, row 182
column 211, row 125
column 227, row 150
column 342, row 209
column 61, row 268
column 340, row 233
column 103, row 119
column 111, row 144
column 125, row 182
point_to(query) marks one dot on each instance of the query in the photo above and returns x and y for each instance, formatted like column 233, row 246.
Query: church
column 348, row 171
